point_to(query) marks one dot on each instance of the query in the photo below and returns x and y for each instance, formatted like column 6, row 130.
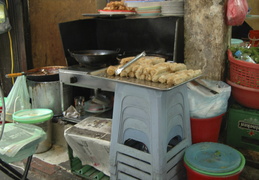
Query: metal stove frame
column 80, row 77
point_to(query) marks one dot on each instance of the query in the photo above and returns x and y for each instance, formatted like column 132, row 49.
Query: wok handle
column 14, row 75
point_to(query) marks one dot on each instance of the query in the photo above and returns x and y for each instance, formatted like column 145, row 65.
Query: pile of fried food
column 155, row 69
column 117, row 5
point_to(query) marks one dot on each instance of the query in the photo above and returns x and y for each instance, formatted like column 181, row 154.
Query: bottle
column 244, row 57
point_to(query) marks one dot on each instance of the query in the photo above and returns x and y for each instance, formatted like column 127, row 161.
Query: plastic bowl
column 149, row 14
column 172, row 3
column 244, row 95
column 148, row 8
column 153, row 11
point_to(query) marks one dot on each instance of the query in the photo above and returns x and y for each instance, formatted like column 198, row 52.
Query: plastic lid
column 32, row 115
column 92, row 107
column 214, row 159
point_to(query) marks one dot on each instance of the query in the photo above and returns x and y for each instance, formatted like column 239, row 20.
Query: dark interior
column 128, row 36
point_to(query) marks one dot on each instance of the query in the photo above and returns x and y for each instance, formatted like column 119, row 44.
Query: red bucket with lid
column 254, row 37
column 193, row 175
column 206, row 129
column 213, row 161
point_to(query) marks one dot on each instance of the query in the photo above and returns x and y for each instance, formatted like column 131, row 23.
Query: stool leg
column 13, row 173
column 27, row 167
column 9, row 171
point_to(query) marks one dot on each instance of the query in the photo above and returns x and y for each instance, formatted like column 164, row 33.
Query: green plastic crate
column 85, row 171
column 243, row 128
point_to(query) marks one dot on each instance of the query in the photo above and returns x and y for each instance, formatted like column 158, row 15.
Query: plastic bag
column 205, row 104
column 236, row 12
column 18, row 98
column 4, row 19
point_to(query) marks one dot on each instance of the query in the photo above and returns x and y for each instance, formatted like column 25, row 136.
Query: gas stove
column 80, row 76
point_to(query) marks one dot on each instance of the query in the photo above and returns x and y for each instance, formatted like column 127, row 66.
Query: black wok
column 94, row 58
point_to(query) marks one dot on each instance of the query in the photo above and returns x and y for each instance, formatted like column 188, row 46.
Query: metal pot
column 94, row 58
column 47, row 95
column 47, row 73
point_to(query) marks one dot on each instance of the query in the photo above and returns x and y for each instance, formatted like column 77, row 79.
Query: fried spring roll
column 111, row 70
column 177, row 67
column 156, row 77
column 176, row 79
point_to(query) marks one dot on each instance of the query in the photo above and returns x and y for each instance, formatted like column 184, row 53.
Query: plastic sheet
column 205, row 104
column 236, row 12
column 18, row 98
column 20, row 141
column 90, row 141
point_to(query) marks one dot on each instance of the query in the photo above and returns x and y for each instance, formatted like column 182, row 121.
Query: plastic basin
column 245, row 96
column 32, row 115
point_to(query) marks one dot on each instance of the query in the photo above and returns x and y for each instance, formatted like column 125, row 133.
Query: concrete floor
column 51, row 165
column 54, row 164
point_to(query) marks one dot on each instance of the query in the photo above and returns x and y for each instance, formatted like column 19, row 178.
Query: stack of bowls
column 172, row 8
column 149, row 11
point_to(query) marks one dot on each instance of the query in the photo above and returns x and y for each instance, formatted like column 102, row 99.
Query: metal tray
column 137, row 82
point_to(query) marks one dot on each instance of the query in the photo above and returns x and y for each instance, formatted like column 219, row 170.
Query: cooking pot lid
column 209, row 157
column 93, row 107
column 32, row 115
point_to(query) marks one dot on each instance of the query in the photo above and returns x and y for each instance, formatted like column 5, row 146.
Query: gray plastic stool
column 156, row 118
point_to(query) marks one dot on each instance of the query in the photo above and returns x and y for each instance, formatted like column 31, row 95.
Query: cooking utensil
column 24, row 73
column 47, row 73
column 199, row 82
column 130, row 54
column 94, row 58
column 118, row 71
